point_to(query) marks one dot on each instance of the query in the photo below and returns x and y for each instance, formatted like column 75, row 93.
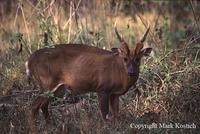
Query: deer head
column 132, row 57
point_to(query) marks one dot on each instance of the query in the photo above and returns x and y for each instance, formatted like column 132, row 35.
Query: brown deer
column 79, row 69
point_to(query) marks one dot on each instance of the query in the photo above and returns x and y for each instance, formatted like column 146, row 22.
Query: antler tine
column 146, row 33
column 116, row 31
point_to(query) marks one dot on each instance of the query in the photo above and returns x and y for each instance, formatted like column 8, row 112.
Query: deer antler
column 124, row 45
column 145, row 34
column 118, row 36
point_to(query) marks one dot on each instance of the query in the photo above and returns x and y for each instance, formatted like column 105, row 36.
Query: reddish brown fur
column 82, row 69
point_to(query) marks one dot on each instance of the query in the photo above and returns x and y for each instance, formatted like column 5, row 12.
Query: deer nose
column 131, row 70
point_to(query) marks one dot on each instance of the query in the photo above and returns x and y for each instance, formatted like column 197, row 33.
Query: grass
column 167, row 89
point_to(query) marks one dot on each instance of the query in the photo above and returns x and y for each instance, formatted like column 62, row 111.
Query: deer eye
column 125, row 59
column 137, row 60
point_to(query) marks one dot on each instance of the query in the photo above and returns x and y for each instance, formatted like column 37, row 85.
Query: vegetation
column 168, row 90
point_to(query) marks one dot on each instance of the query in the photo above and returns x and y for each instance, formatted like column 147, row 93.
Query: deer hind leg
column 44, row 108
column 37, row 103
column 40, row 102
column 104, row 105
column 59, row 91
column 114, row 105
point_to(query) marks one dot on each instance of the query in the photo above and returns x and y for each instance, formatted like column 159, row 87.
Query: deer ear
column 115, row 50
column 120, row 52
column 146, row 51
column 143, row 52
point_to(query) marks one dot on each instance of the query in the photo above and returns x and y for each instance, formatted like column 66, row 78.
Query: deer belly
column 79, row 86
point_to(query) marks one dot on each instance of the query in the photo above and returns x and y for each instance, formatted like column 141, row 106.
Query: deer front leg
column 114, row 105
column 104, row 104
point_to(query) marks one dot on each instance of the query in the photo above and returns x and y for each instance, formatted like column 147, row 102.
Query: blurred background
column 168, row 89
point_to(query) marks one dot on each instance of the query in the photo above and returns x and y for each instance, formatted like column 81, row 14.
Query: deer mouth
column 132, row 74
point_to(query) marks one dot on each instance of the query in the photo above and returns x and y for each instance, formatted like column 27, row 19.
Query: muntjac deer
column 82, row 68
